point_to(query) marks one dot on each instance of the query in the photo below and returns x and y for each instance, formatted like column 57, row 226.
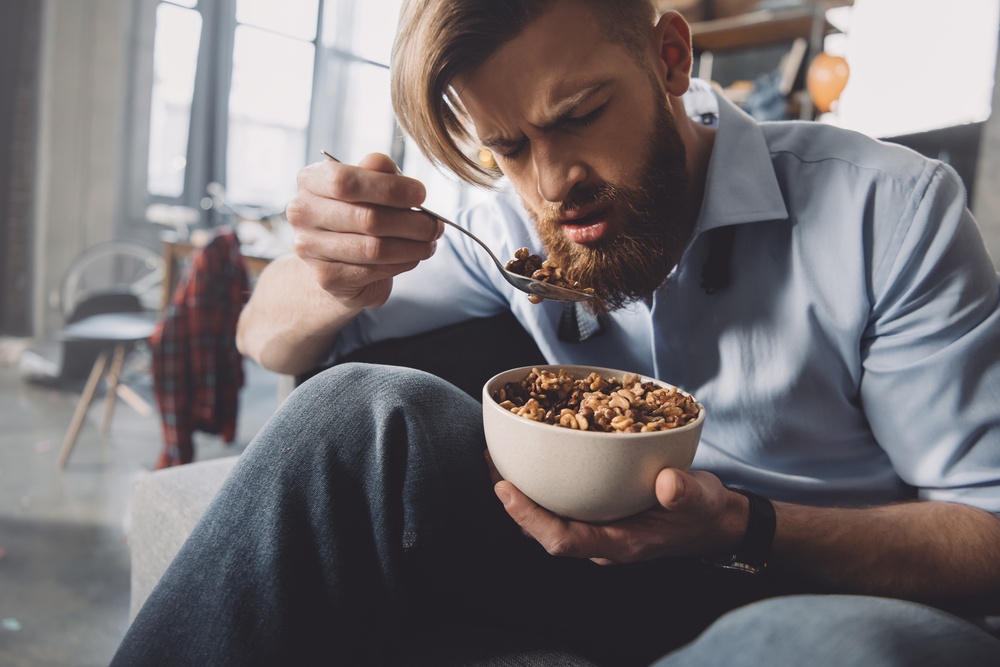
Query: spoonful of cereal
column 528, row 273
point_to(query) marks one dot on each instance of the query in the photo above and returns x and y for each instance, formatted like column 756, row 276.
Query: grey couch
column 166, row 505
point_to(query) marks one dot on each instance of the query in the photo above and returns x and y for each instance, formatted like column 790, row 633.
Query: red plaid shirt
column 197, row 370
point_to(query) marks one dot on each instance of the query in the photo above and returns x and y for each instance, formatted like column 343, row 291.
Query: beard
column 649, row 233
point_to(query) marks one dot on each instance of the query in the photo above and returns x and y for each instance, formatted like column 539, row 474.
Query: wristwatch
column 750, row 557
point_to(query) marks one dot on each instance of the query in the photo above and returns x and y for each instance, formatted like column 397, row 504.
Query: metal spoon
column 523, row 283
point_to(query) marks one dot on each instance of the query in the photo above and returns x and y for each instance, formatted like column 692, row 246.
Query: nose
column 557, row 173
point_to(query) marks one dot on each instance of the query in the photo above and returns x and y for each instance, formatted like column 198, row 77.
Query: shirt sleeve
column 931, row 382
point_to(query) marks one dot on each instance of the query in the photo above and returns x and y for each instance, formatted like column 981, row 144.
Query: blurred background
column 130, row 130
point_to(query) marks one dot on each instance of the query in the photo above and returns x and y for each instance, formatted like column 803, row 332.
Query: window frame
column 208, row 133
column 332, row 73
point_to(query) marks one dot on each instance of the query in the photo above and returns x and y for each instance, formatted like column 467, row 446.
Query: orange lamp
column 825, row 80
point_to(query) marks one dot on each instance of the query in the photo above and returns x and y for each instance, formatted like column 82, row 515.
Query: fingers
column 557, row 536
column 374, row 181
column 355, row 228
column 358, row 269
column 495, row 475
column 686, row 522
column 312, row 210
column 360, row 235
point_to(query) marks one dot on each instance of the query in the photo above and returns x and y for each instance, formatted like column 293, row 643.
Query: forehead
column 563, row 52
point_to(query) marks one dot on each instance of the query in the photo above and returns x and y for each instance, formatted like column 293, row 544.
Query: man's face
column 583, row 131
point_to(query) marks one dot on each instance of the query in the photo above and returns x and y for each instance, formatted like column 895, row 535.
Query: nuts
column 533, row 266
column 597, row 403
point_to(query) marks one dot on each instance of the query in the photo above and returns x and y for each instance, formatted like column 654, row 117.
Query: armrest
column 166, row 505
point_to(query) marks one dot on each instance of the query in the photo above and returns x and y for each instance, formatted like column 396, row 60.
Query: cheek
column 522, row 178
column 622, row 154
column 616, row 151
column 631, row 133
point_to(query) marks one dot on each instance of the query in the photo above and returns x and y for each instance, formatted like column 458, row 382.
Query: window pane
column 374, row 29
column 295, row 18
column 175, row 59
column 368, row 117
column 268, row 116
column 370, row 31
column 444, row 194
column 887, row 41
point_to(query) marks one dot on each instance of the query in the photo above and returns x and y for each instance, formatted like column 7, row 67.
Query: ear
column 673, row 56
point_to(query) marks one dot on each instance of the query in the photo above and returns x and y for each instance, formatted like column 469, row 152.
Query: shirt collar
column 741, row 185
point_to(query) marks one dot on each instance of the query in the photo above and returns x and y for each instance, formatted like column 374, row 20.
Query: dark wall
column 20, row 30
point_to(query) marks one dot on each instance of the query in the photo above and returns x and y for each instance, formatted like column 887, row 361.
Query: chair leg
column 111, row 380
column 81, row 407
column 137, row 402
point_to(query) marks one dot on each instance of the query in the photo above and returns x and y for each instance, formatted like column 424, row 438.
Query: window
column 897, row 84
column 230, row 93
column 353, row 106
column 175, row 61
column 244, row 93
column 269, row 99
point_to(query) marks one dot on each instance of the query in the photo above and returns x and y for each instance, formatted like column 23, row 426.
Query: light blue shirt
column 852, row 360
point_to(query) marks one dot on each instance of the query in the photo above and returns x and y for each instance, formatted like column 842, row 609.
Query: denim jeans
column 835, row 630
column 362, row 515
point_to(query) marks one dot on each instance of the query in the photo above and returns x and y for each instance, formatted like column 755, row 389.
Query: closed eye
column 513, row 152
column 588, row 119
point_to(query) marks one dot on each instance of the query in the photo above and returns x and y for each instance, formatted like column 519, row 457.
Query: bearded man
column 826, row 296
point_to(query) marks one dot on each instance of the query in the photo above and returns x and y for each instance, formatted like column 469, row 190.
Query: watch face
column 734, row 564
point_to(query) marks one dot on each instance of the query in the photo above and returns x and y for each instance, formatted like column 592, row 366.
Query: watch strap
column 751, row 554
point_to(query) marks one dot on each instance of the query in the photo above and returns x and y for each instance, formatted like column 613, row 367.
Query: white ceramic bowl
column 585, row 475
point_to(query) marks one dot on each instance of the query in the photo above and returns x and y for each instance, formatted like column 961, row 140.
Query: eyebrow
column 558, row 115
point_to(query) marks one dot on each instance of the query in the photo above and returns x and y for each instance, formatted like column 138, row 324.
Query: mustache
column 584, row 195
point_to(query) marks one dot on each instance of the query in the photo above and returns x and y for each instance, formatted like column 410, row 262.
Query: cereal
column 597, row 403
column 533, row 266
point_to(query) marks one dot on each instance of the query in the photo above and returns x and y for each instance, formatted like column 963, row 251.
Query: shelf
column 759, row 28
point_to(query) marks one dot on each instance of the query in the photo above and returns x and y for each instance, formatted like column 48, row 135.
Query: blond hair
column 439, row 39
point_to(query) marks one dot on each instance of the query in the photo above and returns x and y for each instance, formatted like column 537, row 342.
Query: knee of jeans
column 338, row 405
column 355, row 389
column 357, row 380
column 363, row 412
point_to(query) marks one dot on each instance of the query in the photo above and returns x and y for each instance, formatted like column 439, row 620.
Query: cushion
column 166, row 505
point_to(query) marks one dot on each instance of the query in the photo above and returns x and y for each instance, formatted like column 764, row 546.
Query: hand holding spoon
column 526, row 284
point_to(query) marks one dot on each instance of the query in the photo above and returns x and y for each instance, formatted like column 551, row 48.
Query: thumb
column 532, row 518
column 379, row 162
column 674, row 488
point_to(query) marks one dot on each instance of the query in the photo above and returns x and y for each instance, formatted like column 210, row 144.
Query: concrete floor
column 64, row 558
